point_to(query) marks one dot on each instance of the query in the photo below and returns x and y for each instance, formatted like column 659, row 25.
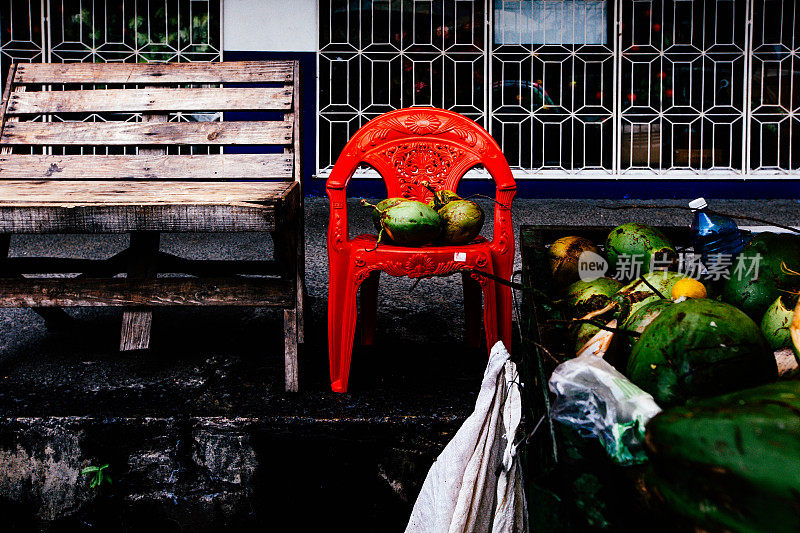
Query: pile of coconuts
column 447, row 219
column 677, row 347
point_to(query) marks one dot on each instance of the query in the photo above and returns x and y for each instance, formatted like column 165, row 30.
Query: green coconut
column 776, row 322
column 639, row 320
column 382, row 206
column 462, row 221
column 700, row 348
column 410, row 223
column 641, row 243
column 638, row 293
column 753, row 289
column 586, row 296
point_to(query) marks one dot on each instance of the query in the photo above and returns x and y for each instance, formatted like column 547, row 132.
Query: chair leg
column 337, row 287
column 490, row 314
column 290, row 338
column 347, row 311
column 369, row 307
column 472, row 310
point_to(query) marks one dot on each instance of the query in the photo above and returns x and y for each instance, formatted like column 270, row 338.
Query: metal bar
column 617, row 84
column 747, row 97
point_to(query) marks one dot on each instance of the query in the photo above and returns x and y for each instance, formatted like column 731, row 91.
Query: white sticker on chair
column 460, row 257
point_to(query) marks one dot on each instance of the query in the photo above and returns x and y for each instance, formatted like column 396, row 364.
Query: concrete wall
column 270, row 25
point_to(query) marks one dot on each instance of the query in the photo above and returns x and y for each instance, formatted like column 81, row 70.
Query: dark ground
column 198, row 431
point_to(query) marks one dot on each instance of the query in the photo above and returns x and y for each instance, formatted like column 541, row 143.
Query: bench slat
column 67, row 193
column 98, row 218
column 151, row 100
column 135, row 133
column 71, row 292
column 155, row 73
column 146, row 167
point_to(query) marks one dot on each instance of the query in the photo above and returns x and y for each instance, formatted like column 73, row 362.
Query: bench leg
column 136, row 323
column 290, row 252
column 301, row 285
column 290, row 333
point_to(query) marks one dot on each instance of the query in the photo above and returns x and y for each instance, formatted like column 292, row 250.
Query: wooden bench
column 118, row 172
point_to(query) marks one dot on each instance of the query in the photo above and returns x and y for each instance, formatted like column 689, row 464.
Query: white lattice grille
column 134, row 30
column 596, row 87
column 775, row 79
column 683, row 78
column 380, row 55
column 21, row 37
column 104, row 31
column 552, row 80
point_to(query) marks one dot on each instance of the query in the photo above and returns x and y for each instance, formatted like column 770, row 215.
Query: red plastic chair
column 406, row 147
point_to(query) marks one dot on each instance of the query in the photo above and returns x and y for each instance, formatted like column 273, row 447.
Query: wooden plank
column 155, row 73
column 126, row 218
column 137, row 193
column 144, row 133
column 151, row 100
column 146, row 167
column 164, row 263
column 161, row 292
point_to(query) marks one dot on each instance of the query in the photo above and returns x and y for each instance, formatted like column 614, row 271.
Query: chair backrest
column 414, row 145
column 127, row 114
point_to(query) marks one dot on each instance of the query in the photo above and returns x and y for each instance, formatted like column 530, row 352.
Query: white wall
column 270, row 25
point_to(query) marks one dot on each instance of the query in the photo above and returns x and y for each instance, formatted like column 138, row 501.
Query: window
column 104, row 31
column 687, row 87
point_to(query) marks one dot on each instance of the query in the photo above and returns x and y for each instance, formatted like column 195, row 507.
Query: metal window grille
column 616, row 88
column 380, row 55
column 112, row 31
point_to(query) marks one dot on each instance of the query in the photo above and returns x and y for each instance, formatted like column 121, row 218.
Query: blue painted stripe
column 657, row 188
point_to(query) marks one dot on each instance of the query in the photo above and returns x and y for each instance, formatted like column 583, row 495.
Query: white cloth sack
column 475, row 485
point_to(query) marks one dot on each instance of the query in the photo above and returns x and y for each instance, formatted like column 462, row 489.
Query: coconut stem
column 380, row 236
column 658, row 292
column 599, row 312
column 373, row 206
column 786, row 270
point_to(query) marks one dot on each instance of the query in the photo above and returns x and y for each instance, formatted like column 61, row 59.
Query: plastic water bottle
column 714, row 234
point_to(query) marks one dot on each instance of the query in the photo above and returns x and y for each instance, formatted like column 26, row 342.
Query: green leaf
column 90, row 469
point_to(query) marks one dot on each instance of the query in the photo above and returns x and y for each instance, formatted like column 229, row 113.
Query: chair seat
column 421, row 261
column 75, row 206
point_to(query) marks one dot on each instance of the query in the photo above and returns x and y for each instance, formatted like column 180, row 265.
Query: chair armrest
column 338, row 232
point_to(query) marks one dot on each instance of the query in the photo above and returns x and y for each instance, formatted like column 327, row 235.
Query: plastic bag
column 598, row 401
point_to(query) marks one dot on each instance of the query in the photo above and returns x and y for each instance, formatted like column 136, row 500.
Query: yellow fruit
column 688, row 288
